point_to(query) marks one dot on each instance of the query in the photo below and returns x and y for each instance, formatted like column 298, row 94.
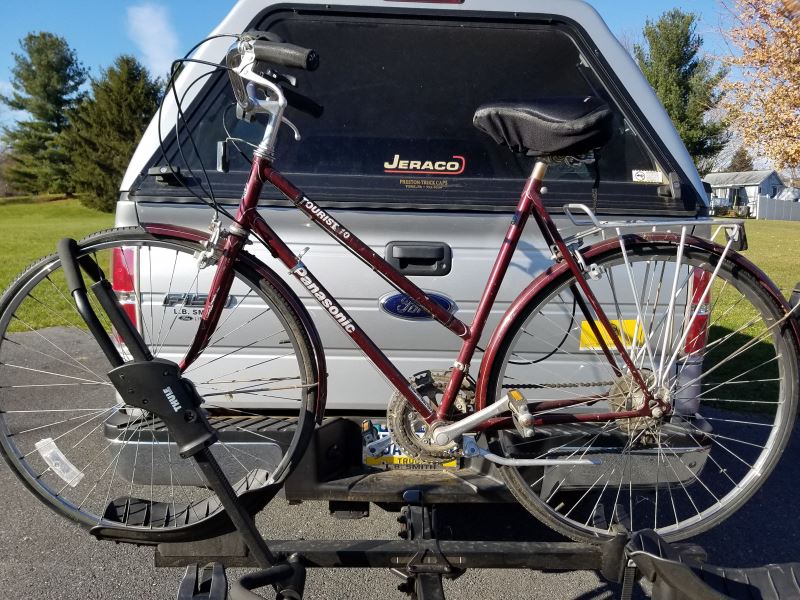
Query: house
column 743, row 189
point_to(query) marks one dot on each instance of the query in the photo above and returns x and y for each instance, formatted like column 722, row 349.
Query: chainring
column 409, row 431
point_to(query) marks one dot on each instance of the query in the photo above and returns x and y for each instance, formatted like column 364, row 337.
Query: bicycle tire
column 723, row 438
column 50, row 367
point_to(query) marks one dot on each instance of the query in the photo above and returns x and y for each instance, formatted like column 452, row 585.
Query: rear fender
column 321, row 372
column 593, row 254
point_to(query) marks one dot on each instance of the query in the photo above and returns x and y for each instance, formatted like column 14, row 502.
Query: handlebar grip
column 287, row 55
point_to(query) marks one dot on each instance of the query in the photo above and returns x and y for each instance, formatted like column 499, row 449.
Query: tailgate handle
column 420, row 258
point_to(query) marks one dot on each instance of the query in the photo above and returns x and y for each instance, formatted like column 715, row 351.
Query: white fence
column 770, row 209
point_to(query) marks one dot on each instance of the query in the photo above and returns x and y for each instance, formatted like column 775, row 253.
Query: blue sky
column 155, row 31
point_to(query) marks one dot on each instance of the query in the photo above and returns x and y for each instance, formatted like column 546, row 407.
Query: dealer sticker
column 647, row 177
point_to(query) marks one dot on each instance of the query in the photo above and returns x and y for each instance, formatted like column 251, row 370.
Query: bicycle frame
column 530, row 203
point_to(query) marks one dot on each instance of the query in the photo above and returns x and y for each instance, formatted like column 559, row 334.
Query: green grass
column 775, row 247
column 771, row 249
column 32, row 229
column 6, row 200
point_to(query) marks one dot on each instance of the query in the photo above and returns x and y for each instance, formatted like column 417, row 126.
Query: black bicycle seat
column 570, row 126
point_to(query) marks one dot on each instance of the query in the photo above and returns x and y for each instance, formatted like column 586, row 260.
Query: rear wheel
column 99, row 462
column 727, row 363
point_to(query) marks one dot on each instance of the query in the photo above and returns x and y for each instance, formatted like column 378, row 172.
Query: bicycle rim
column 95, row 460
column 725, row 361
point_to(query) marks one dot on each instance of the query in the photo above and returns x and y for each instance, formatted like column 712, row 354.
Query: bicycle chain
column 542, row 386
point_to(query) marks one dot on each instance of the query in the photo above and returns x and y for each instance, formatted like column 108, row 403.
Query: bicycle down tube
column 248, row 219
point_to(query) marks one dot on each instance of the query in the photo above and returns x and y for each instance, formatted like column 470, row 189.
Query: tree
column 763, row 100
column 105, row 127
column 687, row 83
column 46, row 82
column 5, row 188
column 740, row 161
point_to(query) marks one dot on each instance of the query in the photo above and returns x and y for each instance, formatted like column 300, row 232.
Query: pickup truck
column 388, row 148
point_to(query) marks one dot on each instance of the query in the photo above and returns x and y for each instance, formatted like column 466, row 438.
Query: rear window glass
column 399, row 97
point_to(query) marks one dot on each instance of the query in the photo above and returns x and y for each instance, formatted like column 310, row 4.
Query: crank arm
column 445, row 434
column 471, row 449
column 377, row 447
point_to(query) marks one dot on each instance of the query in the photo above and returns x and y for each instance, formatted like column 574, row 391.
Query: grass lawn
column 773, row 247
column 31, row 230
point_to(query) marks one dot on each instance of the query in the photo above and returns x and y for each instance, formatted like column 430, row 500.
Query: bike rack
column 422, row 561
column 422, row 557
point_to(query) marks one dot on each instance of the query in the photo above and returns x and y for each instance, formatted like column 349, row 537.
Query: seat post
column 538, row 173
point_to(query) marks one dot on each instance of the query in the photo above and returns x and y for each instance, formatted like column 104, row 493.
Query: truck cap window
column 398, row 98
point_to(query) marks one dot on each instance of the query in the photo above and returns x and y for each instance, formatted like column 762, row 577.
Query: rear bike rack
column 423, row 556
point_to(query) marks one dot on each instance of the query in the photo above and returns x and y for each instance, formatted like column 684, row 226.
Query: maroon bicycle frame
column 530, row 203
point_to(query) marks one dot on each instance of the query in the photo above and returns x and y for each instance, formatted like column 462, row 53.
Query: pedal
column 369, row 433
column 521, row 415
column 424, row 384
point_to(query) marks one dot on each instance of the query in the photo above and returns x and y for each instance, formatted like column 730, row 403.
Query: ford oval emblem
column 403, row 307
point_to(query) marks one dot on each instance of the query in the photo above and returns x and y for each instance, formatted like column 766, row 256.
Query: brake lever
column 293, row 127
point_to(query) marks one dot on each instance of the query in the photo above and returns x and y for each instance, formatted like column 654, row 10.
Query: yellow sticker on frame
column 626, row 334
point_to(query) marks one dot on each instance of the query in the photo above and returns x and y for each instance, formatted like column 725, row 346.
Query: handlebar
column 243, row 59
column 284, row 54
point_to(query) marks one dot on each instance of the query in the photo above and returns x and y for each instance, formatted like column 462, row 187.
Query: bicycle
column 636, row 413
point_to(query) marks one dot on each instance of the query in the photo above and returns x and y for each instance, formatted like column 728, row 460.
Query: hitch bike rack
column 423, row 556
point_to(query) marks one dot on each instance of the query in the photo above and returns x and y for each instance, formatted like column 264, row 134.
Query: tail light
column 123, row 261
column 697, row 338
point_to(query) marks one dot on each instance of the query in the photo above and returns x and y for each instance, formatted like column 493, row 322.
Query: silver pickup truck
column 389, row 150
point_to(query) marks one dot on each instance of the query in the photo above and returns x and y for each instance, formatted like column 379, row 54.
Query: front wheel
column 93, row 459
column 726, row 361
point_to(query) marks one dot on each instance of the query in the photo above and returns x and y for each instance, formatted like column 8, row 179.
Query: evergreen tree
column 686, row 83
column 5, row 188
column 105, row 127
column 740, row 161
column 46, row 81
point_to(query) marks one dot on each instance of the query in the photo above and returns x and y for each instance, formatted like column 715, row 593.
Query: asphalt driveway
column 44, row 557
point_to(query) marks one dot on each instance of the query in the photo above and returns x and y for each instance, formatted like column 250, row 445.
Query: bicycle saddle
column 569, row 126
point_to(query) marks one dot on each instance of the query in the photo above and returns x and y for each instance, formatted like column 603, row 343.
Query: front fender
column 321, row 372
column 594, row 253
